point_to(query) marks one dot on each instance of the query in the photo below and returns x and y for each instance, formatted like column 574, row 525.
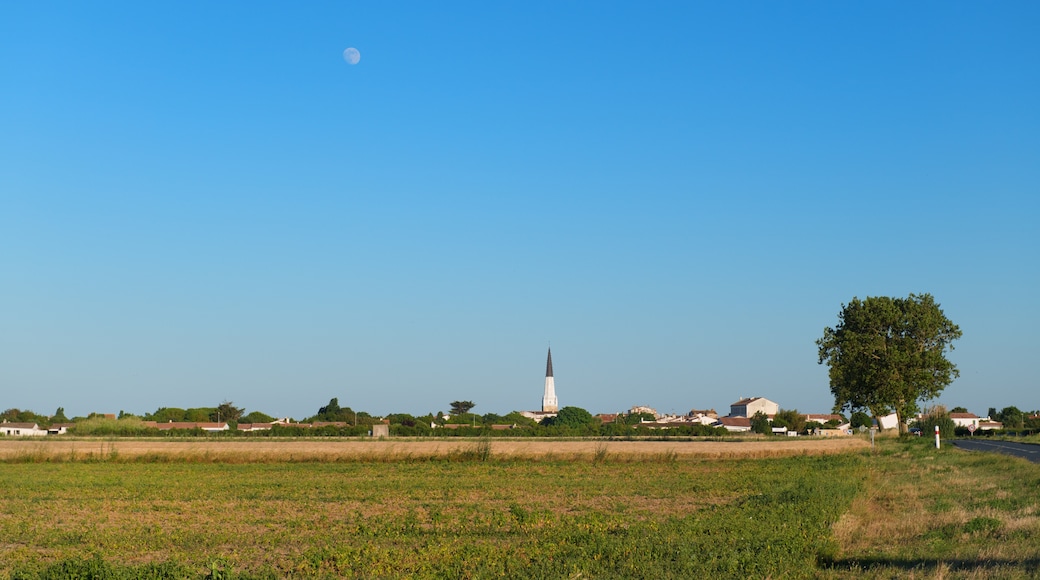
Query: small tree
column 860, row 419
column 637, row 418
column 256, row 417
column 59, row 416
column 760, row 423
column 226, row 412
column 572, row 418
column 331, row 411
column 1032, row 420
column 937, row 415
column 1011, row 417
column 461, row 407
column 790, row 418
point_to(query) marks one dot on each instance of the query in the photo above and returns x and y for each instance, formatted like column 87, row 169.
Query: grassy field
column 908, row 511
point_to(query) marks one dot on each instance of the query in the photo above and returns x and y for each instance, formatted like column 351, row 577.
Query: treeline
column 332, row 420
column 135, row 427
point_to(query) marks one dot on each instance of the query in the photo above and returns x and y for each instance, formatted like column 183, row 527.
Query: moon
column 352, row 55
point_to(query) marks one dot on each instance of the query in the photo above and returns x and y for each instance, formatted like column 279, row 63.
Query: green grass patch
column 480, row 517
column 906, row 510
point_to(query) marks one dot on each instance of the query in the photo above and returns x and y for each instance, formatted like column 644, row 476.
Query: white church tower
column 549, row 404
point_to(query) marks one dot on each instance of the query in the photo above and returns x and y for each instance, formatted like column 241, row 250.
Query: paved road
column 1023, row 450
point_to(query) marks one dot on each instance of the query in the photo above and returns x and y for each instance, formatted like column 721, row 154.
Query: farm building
column 21, row 429
column 748, row 407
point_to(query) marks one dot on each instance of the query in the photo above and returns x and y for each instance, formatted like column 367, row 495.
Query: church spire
column 549, row 403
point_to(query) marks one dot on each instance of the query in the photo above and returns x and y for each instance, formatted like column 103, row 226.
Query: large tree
column 886, row 354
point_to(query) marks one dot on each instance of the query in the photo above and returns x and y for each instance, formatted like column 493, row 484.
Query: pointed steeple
column 549, row 403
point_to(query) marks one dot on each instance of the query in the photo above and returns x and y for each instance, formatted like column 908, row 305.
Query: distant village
column 746, row 415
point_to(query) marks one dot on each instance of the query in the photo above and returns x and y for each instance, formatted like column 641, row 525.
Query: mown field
column 906, row 511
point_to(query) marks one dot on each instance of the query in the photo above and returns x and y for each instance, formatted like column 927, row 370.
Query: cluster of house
column 974, row 422
column 738, row 420
column 33, row 429
column 741, row 412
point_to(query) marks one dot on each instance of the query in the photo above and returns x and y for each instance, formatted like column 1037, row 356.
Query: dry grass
column 266, row 450
column 943, row 514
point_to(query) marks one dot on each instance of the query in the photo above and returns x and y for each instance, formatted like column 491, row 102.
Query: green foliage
column 199, row 414
column 515, row 418
column 193, row 415
column 861, row 419
column 1011, row 417
column 26, row 416
column 256, row 417
column 790, row 418
column 886, row 354
column 331, row 410
column 333, row 413
column 574, row 418
column 59, row 416
column 101, row 426
column 1032, row 420
column 982, row 525
column 97, row 567
column 452, row 518
column 760, row 423
column 937, row 416
column 226, row 412
column 401, row 419
column 165, row 415
column 461, row 407
column 636, row 418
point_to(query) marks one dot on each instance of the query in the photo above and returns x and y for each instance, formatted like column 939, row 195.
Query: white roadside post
column 936, row 436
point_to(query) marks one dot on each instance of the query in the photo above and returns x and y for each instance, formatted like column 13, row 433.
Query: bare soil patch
column 401, row 449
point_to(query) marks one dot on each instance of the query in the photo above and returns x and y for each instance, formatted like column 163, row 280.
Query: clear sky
column 204, row 201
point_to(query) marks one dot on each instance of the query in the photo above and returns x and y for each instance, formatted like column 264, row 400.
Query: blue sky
column 203, row 201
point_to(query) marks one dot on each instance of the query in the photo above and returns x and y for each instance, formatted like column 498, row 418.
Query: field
column 268, row 450
column 780, row 509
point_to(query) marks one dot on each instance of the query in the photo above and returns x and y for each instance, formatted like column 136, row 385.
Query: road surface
column 1023, row 450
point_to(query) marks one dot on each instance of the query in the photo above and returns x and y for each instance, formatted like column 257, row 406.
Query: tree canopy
column 572, row 418
column 336, row 414
column 461, row 407
column 886, row 354
column 1012, row 417
column 790, row 418
column 760, row 423
column 226, row 411
column 860, row 419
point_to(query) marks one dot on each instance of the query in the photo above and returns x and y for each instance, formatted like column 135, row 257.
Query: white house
column 966, row 419
column 748, row 407
column 22, row 429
